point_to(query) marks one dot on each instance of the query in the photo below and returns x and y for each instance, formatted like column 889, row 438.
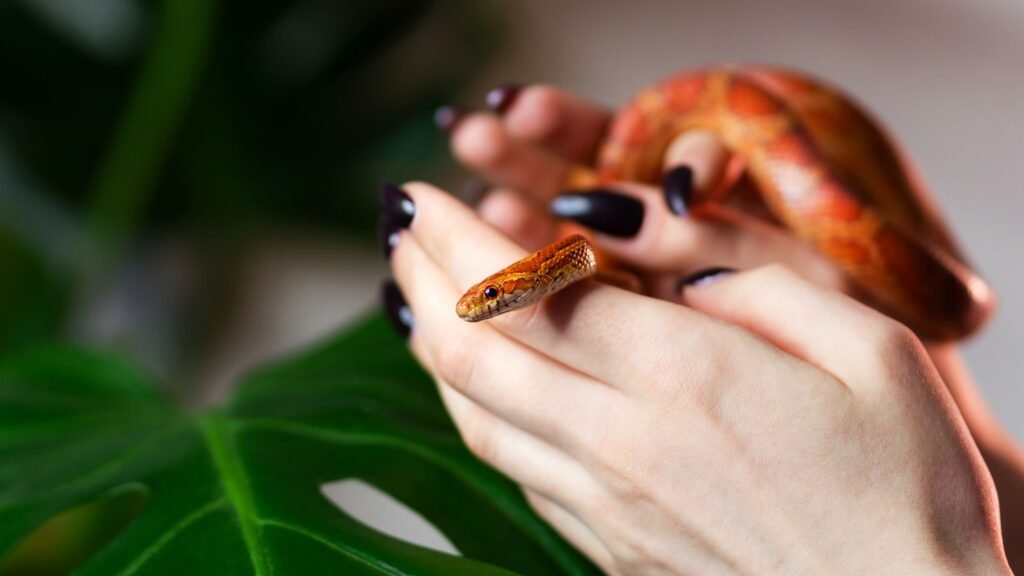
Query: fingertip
column 480, row 142
column 536, row 115
column 706, row 158
column 424, row 194
column 501, row 98
column 677, row 189
column 703, row 278
column 396, row 309
column 730, row 294
column 510, row 213
column 447, row 119
column 419, row 187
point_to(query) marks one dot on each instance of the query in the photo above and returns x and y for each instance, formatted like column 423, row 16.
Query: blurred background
column 193, row 182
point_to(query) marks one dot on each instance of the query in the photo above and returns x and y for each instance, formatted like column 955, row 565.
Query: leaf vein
column 343, row 550
column 191, row 518
column 236, row 488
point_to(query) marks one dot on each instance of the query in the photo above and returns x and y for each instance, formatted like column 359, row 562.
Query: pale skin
column 770, row 424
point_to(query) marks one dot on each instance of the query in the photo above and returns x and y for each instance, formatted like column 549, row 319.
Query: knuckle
column 889, row 336
column 703, row 359
column 891, row 349
column 478, row 435
column 620, row 460
column 455, row 363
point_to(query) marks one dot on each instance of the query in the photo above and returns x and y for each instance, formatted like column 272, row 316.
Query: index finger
column 589, row 326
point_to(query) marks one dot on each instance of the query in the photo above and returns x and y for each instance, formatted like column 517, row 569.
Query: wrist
column 1002, row 456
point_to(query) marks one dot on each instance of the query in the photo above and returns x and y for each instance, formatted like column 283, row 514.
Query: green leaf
column 238, row 490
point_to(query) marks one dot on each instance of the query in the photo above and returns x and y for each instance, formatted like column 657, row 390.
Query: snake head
column 492, row 297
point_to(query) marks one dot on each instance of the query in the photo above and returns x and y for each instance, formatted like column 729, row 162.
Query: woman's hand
column 536, row 133
column 770, row 427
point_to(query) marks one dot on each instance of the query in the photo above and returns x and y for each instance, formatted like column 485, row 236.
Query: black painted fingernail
column 446, row 118
column 605, row 211
column 396, row 308
column 388, row 230
column 396, row 202
column 500, row 99
column 678, row 188
column 474, row 190
column 704, row 277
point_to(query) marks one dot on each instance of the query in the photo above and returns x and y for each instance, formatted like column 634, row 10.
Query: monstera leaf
column 237, row 490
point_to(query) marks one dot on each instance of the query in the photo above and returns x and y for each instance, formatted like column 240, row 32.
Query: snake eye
column 490, row 292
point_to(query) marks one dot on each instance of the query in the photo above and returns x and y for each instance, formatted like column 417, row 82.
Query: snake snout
column 466, row 307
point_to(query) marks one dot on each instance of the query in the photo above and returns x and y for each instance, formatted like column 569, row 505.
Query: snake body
column 826, row 171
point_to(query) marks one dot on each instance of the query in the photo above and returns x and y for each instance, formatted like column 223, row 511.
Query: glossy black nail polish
column 500, row 99
column 704, row 277
column 604, row 211
column 678, row 189
column 396, row 308
column 388, row 229
column 396, row 202
column 447, row 118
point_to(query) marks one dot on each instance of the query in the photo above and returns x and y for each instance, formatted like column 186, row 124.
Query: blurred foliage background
column 148, row 148
column 144, row 144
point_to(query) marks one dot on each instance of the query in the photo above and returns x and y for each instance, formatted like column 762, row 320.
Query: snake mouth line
column 519, row 298
column 507, row 306
column 488, row 312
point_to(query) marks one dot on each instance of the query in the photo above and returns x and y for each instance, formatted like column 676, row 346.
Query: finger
column 521, row 221
column 705, row 160
column 510, row 380
column 524, row 458
column 572, row 529
column 699, row 170
column 482, row 143
column 571, row 326
column 557, row 121
column 517, row 454
column 820, row 326
column 672, row 248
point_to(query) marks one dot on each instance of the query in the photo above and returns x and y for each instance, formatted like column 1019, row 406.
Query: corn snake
column 826, row 171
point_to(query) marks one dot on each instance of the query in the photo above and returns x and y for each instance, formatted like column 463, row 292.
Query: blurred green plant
column 124, row 120
column 218, row 113
column 237, row 490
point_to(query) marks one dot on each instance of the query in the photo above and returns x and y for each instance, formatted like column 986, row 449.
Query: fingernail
column 474, row 190
column 678, row 188
column 704, row 277
column 396, row 202
column 446, row 118
column 388, row 233
column 605, row 211
column 500, row 99
column 396, row 308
